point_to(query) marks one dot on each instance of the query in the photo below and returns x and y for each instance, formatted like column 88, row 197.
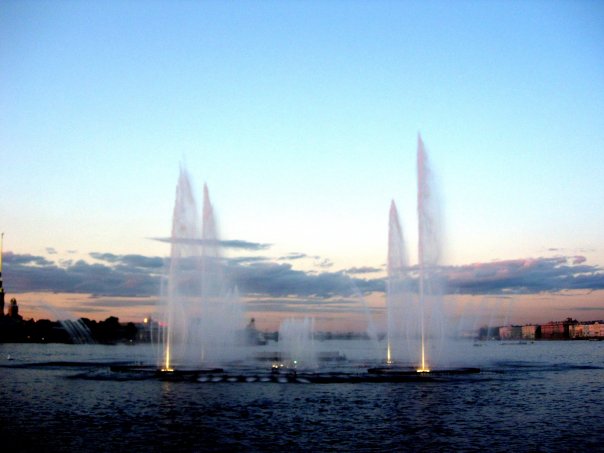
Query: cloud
column 11, row 258
column 137, row 275
column 324, row 263
column 295, row 305
column 233, row 244
column 279, row 280
column 579, row 259
column 121, row 302
column 51, row 250
column 247, row 259
column 133, row 261
column 294, row 256
column 524, row 276
column 127, row 275
column 362, row 270
column 112, row 275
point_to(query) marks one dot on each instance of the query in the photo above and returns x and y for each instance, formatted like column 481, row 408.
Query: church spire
column 1, row 288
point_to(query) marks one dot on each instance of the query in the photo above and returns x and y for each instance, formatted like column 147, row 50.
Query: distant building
column 558, row 330
column 594, row 329
column 1, row 297
column 1, row 287
column 13, row 309
column 531, row 332
column 510, row 332
column 576, row 331
column 148, row 331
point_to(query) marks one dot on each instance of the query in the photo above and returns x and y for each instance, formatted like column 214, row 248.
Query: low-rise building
column 594, row 329
column 576, row 331
column 557, row 330
column 531, row 332
column 510, row 332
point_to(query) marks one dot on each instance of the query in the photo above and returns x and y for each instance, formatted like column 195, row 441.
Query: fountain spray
column 423, row 223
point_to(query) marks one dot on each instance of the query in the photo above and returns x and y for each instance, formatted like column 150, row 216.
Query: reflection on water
column 541, row 396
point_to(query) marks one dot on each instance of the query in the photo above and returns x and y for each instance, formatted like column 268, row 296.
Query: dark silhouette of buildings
column 13, row 309
column 1, row 287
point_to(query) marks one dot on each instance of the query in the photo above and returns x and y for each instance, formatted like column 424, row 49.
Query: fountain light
column 388, row 355
column 167, row 368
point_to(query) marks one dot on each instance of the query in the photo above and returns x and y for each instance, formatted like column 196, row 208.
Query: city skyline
column 302, row 118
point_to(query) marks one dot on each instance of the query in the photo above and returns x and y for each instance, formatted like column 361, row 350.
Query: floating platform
column 388, row 371
column 283, row 376
column 278, row 356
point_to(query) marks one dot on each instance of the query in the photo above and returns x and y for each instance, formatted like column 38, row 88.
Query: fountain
column 415, row 317
column 204, row 323
column 427, row 245
column 202, row 313
column 296, row 343
column 396, row 290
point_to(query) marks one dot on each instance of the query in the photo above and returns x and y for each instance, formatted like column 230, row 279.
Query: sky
column 302, row 117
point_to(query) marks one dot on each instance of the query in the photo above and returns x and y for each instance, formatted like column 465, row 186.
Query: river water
column 542, row 396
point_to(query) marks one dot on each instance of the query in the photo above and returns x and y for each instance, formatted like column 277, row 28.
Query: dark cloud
column 362, row 270
column 294, row 256
column 279, row 280
column 524, row 276
column 51, row 250
column 245, row 245
column 233, row 244
column 579, row 259
column 112, row 275
column 324, row 263
column 122, row 303
column 305, row 305
column 24, row 273
column 11, row 258
column 91, row 310
column 138, row 261
column 247, row 259
column 136, row 275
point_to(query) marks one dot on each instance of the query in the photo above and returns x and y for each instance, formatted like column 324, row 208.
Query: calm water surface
column 545, row 396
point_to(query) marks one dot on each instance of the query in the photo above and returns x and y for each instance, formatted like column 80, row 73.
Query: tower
column 13, row 309
column 1, row 287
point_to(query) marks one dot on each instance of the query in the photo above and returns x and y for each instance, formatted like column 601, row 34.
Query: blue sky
column 302, row 117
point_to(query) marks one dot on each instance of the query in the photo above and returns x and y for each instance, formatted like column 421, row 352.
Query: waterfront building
column 594, row 329
column 148, row 331
column 587, row 330
column 531, row 332
column 557, row 330
column 577, row 331
column 510, row 332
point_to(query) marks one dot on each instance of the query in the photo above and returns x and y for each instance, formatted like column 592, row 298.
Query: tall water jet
column 202, row 313
column 395, row 284
column 428, row 254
